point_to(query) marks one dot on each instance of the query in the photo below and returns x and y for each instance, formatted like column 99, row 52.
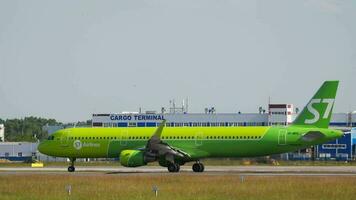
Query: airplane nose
column 40, row 147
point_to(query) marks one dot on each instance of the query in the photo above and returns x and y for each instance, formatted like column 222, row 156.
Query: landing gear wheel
column 71, row 169
column 173, row 167
column 202, row 168
column 198, row 167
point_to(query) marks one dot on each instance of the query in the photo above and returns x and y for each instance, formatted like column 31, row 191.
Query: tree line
column 26, row 129
column 31, row 129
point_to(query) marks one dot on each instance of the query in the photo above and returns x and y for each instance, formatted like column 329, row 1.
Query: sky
column 68, row 59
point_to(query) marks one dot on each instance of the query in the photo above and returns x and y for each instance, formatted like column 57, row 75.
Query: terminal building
column 278, row 114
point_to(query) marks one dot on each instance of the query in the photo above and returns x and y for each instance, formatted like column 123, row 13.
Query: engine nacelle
column 132, row 158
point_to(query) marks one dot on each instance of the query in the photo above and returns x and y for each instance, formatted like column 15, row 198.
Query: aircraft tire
column 173, row 167
column 71, row 169
column 198, row 167
column 177, row 167
column 201, row 169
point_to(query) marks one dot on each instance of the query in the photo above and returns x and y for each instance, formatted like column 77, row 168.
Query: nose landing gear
column 71, row 167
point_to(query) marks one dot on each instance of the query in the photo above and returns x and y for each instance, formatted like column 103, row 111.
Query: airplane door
column 64, row 138
column 124, row 137
column 199, row 138
column 282, row 137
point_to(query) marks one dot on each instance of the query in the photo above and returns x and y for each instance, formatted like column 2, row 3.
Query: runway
column 209, row 170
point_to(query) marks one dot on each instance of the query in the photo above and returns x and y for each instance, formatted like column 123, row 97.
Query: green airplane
column 175, row 146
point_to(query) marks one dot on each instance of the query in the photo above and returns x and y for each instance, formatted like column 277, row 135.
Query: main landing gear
column 173, row 167
column 198, row 167
column 71, row 167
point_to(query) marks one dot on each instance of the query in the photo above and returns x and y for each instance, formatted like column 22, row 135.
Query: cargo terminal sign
column 136, row 117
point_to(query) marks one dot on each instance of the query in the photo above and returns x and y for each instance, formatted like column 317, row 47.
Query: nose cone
column 41, row 147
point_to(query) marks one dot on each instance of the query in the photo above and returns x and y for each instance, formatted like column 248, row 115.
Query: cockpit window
column 51, row 137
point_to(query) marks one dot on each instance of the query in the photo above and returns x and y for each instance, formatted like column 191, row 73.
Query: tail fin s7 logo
column 316, row 113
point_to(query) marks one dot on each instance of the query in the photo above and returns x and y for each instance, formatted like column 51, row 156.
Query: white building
column 17, row 151
column 280, row 114
column 2, row 133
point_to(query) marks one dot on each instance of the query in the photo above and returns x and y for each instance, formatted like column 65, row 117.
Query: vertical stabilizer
column 318, row 111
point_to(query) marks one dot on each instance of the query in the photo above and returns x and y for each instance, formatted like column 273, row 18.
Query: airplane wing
column 156, row 147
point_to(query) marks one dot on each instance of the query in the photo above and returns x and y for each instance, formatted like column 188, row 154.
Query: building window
column 122, row 124
column 151, row 124
column 108, row 125
column 132, row 124
column 19, row 154
column 334, row 146
column 7, row 154
column 97, row 124
column 141, row 124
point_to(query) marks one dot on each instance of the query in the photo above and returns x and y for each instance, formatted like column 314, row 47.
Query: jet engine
column 135, row 158
column 132, row 158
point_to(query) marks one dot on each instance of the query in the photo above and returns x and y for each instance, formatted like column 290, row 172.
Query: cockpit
column 51, row 137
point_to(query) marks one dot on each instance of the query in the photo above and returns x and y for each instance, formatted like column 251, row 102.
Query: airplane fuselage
column 198, row 142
